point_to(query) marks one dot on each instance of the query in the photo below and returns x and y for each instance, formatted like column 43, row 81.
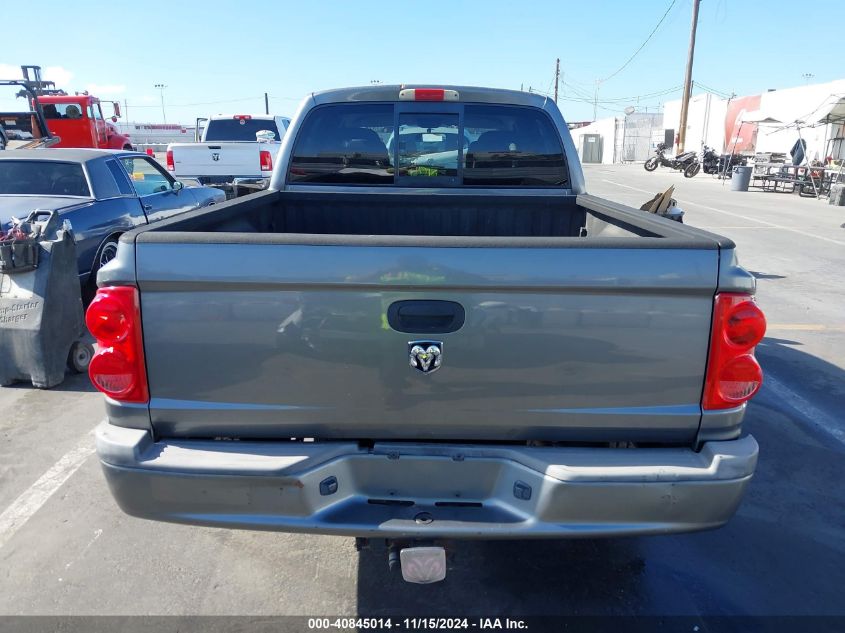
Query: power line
column 650, row 95
column 202, row 103
column 581, row 96
column 718, row 93
column 642, row 46
column 577, row 91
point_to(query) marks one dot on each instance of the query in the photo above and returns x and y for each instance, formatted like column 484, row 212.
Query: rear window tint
column 512, row 146
column 344, row 144
column 42, row 178
column 239, row 129
column 497, row 146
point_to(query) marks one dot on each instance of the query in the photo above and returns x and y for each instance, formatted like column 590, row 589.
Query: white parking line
column 825, row 423
column 766, row 223
column 27, row 504
column 619, row 184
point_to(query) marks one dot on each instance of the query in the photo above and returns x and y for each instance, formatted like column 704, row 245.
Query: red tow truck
column 78, row 120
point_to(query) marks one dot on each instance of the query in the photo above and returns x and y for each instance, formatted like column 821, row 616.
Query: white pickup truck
column 235, row 152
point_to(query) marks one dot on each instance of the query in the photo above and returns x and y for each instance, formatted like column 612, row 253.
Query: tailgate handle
column 426, row 316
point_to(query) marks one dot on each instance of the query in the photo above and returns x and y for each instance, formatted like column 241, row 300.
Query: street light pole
column 161, row 88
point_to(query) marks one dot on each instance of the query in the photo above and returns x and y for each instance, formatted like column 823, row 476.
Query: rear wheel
column 80, row 357
column 650, row 164
column 107, row 252
column 692, row 169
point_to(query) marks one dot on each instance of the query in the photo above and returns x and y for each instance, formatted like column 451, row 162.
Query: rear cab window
column 473, row 145
column 344, row 144
column 239, row 128
column 56, row 111
column 42, row 178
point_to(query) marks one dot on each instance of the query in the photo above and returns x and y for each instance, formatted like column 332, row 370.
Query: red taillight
column 170, row 164
column 733, row 374
column 118, row 368
column 266, row 160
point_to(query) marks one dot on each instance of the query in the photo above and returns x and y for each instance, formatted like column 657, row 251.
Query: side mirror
column 116, row 106
column 178, row 186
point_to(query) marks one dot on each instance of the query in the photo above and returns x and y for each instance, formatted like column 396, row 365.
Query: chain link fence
column 638, row 130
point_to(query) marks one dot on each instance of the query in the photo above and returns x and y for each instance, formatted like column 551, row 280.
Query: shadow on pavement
column 489, row 578
column 72, row 383
column 816, row 380
column 759, row 275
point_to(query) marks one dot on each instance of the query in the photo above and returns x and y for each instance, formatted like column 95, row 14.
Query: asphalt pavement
column 65, row 547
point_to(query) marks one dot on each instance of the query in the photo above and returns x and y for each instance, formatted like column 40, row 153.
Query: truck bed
column 298, row 214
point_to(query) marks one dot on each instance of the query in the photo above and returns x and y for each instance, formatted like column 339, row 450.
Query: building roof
column 64, row 154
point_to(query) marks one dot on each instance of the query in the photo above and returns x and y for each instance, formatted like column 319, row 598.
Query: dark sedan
column 103, row 193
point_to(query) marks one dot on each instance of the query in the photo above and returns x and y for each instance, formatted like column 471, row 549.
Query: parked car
column 235, row 153
column 102, row 193
column 461, row 349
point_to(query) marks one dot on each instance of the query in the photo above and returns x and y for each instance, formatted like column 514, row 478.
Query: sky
column 221, row 57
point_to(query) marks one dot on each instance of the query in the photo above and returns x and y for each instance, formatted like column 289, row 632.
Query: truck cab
column 78, row 120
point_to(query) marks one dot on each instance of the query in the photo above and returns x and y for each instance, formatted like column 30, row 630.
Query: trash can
column 741, row 178
column 41, row 317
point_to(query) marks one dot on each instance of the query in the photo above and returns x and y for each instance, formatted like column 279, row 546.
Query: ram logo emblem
column 215, row 155
column 425, row 356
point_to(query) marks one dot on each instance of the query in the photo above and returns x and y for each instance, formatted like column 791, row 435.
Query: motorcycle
column 686, row 162
column 714, row 164
column 711, row 162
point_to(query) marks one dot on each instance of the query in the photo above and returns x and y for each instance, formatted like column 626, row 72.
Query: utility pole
column 266, row 104
column 682, row 132
column 596, row 97
column 161, row 88
column 557, row 76
column 126, row 110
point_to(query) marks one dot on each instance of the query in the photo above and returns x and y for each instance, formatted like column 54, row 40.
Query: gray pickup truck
column 426, row 329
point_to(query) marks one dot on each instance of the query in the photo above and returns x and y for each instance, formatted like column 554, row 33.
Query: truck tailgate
column 293, row 340
column 218, row 159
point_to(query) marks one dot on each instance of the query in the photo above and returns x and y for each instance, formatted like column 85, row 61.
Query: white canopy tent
column 785, row 115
